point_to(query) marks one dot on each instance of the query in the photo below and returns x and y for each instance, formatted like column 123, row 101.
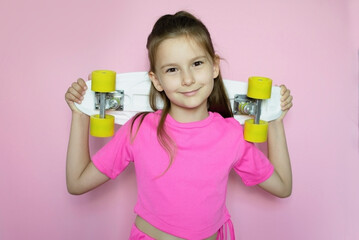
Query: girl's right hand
column 75, row 93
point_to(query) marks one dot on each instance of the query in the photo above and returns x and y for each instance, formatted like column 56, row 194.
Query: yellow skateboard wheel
column 102, row 127
column 103, row 81
column 255, row 132
column 259, row 87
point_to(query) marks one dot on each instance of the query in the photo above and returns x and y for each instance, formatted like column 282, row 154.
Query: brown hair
column 169, row 26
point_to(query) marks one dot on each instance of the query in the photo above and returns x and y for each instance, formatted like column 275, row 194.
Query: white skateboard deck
column 136, row 86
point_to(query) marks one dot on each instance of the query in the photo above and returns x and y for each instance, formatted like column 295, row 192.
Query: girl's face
column 186, row 72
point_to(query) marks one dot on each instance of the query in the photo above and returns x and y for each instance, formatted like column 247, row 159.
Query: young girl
column 183, row 153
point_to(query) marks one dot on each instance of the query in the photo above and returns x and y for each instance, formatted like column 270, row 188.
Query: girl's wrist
column 276, row 123
column 79, row 115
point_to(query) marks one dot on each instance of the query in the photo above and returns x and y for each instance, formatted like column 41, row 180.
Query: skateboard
column 113, row 98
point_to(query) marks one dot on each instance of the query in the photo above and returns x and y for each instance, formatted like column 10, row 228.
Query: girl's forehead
column 180, row 46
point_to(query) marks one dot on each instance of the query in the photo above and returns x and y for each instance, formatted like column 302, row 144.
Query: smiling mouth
column 190, row 93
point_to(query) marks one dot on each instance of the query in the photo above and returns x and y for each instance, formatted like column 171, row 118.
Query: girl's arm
column 81, row 174
column 280, row 183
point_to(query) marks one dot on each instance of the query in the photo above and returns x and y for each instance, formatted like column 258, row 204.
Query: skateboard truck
column 104, row 86
column 109, row 101
column 244, row 105
column 259, row 88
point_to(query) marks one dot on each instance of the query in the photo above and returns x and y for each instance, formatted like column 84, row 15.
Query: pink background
column 311, row 46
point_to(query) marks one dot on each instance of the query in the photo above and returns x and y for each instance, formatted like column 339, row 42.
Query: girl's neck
column 188, row 115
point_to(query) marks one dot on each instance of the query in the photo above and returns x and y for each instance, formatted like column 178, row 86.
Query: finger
column 77, row 87
column 70, row 98
column 76, row 92
column 287, row 107
column 82, row 83
column 283, row 89
column 285, row 95
column 73, row 95
column 287, row 100
column 89, row 76
column 287, row 104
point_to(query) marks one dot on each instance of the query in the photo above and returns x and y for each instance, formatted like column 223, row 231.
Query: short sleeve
column 252, row 166
column 115, row 156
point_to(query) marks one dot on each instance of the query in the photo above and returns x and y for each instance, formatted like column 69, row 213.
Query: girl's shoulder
column 229, row 121
column 144, row 119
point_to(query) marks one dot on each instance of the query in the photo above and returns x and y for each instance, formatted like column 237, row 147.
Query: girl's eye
column 170, row 70
column 197, row 63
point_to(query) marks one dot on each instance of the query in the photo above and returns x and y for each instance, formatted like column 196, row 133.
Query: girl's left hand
column 286, row 100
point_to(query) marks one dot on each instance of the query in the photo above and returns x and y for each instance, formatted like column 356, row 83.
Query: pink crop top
column 188, row 201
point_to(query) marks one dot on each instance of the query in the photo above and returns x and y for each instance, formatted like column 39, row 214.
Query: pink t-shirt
column 188, row 201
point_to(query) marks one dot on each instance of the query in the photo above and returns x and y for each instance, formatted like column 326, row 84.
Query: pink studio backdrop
column 311, row 46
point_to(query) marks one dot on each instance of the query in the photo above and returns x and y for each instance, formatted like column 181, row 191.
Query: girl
column 183, row 153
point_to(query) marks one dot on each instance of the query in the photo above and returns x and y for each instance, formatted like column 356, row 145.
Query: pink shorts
column 136, row 233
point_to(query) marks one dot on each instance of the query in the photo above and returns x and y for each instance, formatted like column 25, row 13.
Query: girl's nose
column 187, row 78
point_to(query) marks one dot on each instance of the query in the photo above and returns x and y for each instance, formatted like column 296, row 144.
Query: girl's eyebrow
column 168, row 65
column 191, row 60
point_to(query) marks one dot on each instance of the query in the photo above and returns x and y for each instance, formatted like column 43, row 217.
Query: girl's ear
column 216, row 66
column 155, row 81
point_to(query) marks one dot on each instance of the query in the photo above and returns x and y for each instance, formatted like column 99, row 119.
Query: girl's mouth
column 190, row 93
